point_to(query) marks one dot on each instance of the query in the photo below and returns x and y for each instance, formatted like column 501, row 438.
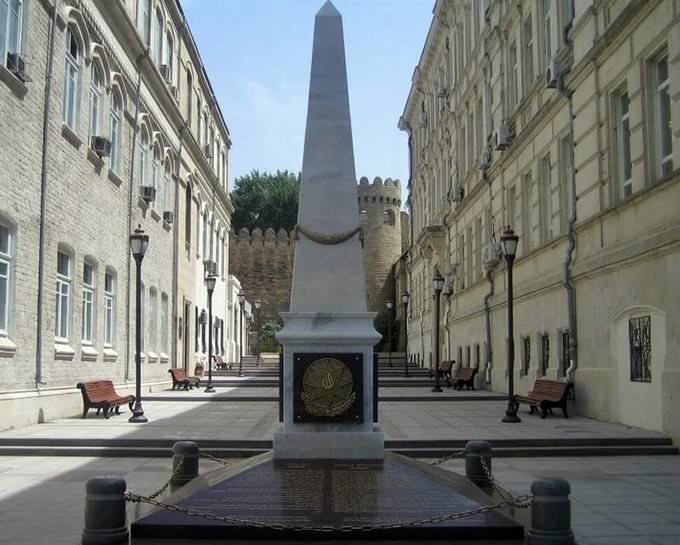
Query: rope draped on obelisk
column 328, row 239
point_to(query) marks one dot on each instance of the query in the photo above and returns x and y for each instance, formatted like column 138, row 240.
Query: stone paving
column 197, row 420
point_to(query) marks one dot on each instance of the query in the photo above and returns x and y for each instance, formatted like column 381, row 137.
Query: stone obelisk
column 328, row 335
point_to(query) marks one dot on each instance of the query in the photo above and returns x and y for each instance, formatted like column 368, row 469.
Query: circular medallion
column 327, row 387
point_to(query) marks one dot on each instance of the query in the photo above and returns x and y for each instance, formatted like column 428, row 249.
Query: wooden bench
column 465, row 376
column 99, row 394
column 545, row 395
column 444, row 370
column 181, row 379
column 220, row 363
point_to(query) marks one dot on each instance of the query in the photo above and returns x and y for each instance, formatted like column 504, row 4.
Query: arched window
column 143, row 154
column 170, row 56
column 167, row 188
column 72, row 78
column 89, row 310
column 63, row 294
column 116, row 119
column 144, row 19
column 95, row 100
column 156, row 176
column 11, row 19
column 187, row 211
column 190, row 98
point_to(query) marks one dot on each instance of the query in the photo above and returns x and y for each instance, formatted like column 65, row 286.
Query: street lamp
column 438, row 285
column 509, row 244
column 404, row 299
column 210, row 285
column 389, row 306
column 258, row 304
column 241, row 302
column 139, row 242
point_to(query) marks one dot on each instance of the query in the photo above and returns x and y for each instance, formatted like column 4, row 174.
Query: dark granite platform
column 328, row 494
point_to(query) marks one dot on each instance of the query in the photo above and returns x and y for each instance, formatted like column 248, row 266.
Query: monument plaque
column 328, row 387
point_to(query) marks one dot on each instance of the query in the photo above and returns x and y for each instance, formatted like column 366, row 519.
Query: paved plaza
column 616, row 500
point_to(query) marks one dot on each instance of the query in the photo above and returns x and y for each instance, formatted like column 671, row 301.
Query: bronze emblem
column 327, row 388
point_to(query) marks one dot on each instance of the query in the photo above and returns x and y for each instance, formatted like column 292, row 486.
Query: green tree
column 263, row 199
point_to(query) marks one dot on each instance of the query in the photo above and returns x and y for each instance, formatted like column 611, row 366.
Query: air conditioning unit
column 501, row 137
column 168, row 217
column 457, row 193
column 207, row 151
column 16, row 65
column 553, row 75
column 166, row 73
column 491, row 255
column 148, row 193
column 101, row 146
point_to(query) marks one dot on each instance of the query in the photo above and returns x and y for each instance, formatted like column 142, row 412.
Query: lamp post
column 139, row 242
column 389, row 306
column 404, row 299
column 438, row 285
column 241, row 302
column 210, row 285
column 258, row 304
column 509, row 244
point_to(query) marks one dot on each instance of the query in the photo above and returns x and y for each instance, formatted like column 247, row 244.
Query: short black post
column 550, row 513
column 185, row 453
column 105, row 507
column 474, row 452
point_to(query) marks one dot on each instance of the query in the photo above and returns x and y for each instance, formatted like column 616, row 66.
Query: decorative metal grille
column 564, row 362
column 545, row 353
column 526, row 362
column 640, row 338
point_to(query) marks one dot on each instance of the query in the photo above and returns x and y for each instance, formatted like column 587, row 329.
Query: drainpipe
column 129, row 214
column 175, row 248
column 43, row 194
column 571, row 237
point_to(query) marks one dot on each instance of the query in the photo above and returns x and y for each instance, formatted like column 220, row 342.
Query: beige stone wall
column 465, row 188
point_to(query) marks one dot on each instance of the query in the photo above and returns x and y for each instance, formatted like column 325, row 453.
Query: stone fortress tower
column 263, row 261
column 381, row 219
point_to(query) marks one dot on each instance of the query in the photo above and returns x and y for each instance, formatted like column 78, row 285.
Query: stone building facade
column 263, row 262
column 107, row 122
column 560, row 119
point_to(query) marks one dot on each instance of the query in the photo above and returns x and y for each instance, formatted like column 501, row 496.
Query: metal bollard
column 184, row 453
column 550, row 513
column 105, row 522
column 474, row 451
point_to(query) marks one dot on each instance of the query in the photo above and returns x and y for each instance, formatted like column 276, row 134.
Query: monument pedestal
column 328, row 388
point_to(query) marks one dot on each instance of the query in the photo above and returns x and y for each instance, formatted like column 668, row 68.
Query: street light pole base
column 138, row 418
column 209, row 388
column 511, row 418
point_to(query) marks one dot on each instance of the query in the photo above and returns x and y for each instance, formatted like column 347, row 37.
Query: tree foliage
column 263, row 199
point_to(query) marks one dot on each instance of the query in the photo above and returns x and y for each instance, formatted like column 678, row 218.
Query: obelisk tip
column 328, row 10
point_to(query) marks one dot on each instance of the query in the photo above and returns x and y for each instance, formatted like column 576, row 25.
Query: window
column 95, row 100
column 11, row 18
column 545, row 353
column 547, row 45
column 478, row 250
column 526, row 356
column 63, row 294
column 169, row 58
column 156, row 175
column 116, row 119
column 479, row 130
column 525, row 240
column 144, row 19
column 199, row 133
column 528, row 54
column 164, row 323
column 564, row 361
column 545, row 209
column 511, row 214
column 5, row 276
column 153, row 319
column 468, row 361
column 640, row 342
column 142, row 324
column 72, row 77
column 566, row 173
column 622, row 133
column 109, row 308
column 566, row 15
column 205, row 129
column 157, row 45
column 196, row 329
column 167, row 188
column 477, row 356
column 513, row 83
column 224, row 251
column 187, row 211
column 471, row 141
column 143, row 153
column 205, row 236
column 662, row 110
column 88, row 310
column 190, row 98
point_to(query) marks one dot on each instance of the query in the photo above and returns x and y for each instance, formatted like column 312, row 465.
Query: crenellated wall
column 263, row 262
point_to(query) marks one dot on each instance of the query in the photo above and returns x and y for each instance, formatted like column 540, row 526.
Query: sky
column 258, row 56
